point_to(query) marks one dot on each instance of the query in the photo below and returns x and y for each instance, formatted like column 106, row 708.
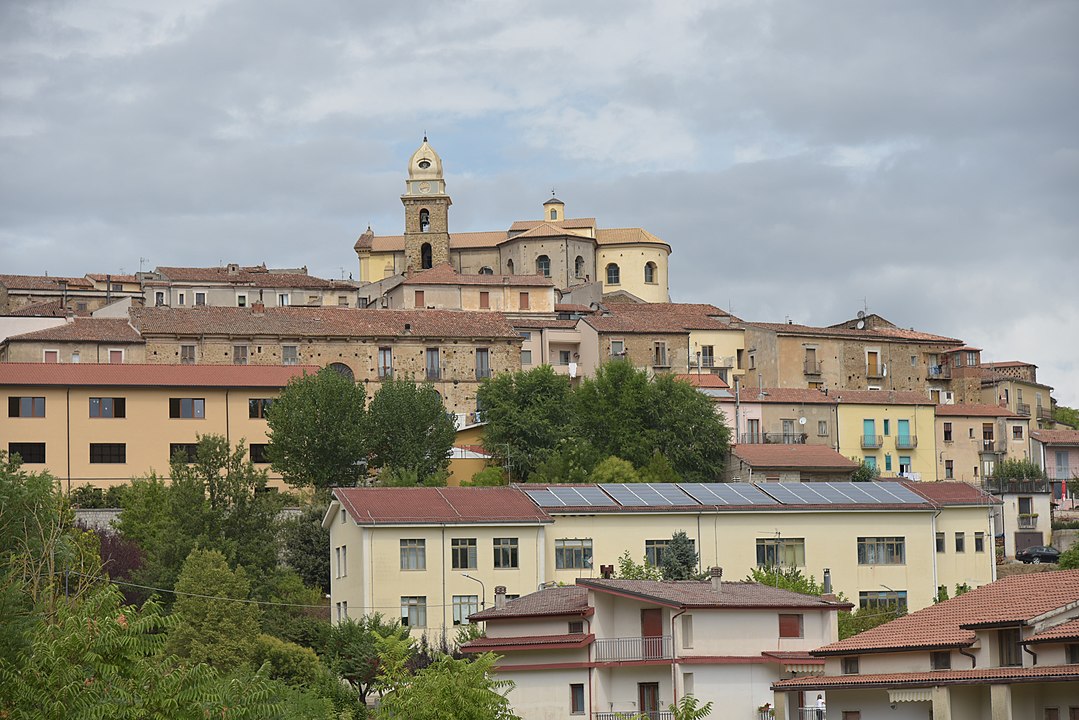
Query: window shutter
column 790, row 626
column 119, row 406
column 174, row 407
column 13, row 407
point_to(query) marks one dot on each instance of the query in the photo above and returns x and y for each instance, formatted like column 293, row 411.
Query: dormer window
column 425, row 220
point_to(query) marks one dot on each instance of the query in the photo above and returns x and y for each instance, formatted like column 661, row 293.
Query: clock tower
column 427, row 237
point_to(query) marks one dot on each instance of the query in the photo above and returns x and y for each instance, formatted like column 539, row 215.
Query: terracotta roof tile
column 499, row 505
column 1012, row 599
column 626, row 236
column 527, row 642
column 115, row 375
column 709, row 380
column 320, row 322
column 1008, row 364
column 992, row 675
column 445, row 275
column 951, row 493
column 571, row 308
column 796, row 396
column 701, row 594
column 83, row 329
column 259, row 277
column 43, row 282
column 883, row 333
column 659, row 318
column 569, row 223
column 816, row 457
column 1056, row 437
column 50, row 308
column 547, row 229
column 563, row 600
column 538, row 323
column 973, row 410
column 104, row 277
column 1059, row 633
column 881, row 397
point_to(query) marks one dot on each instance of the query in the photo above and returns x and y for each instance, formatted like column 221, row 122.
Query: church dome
column 425, row 163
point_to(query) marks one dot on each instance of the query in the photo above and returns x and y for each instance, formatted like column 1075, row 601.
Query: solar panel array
column 584, row 496
column 849, row 493
column 727, row 494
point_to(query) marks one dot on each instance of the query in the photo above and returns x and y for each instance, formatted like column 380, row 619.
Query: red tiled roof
column 49, row 308
column 659, row 318
column 880, row 333
column 993, row 675
column 815, row 457
column 106, row 330
column 547, row 230
column 562, row 600
column 1065, row 631
column 1056, row 437
column 796, row 396
column 543, row 323
column 882, row 397
column 1008, row 364
column 709, row 380
column 627, row 236
column 974, row 410
column 115, row 375
column 568, row 223
column 701, row 594
column 104, row 277
column 445, row 275
column 257, row 276
column 43, row 282
column 527, row 642
column 418, row 505
column 320, row 322
column 571, row 308
column 951, row 493
column 1013, row 599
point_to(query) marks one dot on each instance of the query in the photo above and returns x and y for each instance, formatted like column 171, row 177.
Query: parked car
column 1038, row 554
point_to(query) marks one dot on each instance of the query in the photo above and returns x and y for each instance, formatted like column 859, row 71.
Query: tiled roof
column 103, row 277
column 539, row 323
column 625, row 236
column 49, row 308
column 115, row 375
column 951, row 493
column 547, row 229
column 571, row 308
column 964, row 348
column 562, row 600
column 787, row 395
column 973, row 410
column 527, row 642
column 522, row 229
column 445, row 275
column 882, row 333
column 881, row 397
column 419, row 505
column 458, row 241
column 320, row 322
column 568, row 223
column 1008, row 364
column 1056, row 437
column 1013, row 599
column 82, row 329
column 701, row 594
column 1064, row 631
column 815, row 457
column 659, row 318
column 43, row 282
column 709, row 380
column 256, row 276
column 991, row 675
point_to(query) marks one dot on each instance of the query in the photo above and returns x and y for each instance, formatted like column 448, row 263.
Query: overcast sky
column 801, row 158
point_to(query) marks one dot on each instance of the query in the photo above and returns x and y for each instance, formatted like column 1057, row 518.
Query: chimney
column 827, row 581
column 500, row 597
column 258, row 308
column 606, row 571
column 716, row 575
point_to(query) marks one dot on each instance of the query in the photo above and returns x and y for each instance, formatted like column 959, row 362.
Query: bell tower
column 427, row 237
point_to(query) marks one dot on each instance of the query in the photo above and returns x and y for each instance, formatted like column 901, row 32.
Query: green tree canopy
column 316, row 431
column 1018, row 469
column 450, row 689
column 306, row 546
column 614, row 470
column 865, row 472
column 572, row 462
column 408, row 429
column 1066, row 416
column 352, row 649
column 679, row 558
column 630, row 570
column 526, row 416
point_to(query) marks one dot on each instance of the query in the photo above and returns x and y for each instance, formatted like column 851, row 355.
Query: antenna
column 861, row 314
column 141, row 261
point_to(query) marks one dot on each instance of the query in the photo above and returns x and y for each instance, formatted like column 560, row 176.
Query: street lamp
column 483, row 589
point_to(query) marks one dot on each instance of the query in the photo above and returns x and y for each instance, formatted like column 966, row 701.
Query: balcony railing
column 633, row 715
column 1007, row 485
column 876, row 371
column 634, row 648
column 939, row 372
column 1023, row 408
column 779, row 438
column 906, row 442
column 810, row 713
column 992, row 446
column 1063, row 474
column 872, row 441
column 1028, row 522
column 811, row 367
column 1044, row 413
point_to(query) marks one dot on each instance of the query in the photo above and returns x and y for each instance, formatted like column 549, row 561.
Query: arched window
column 425, row 256
column 650, row 272
column 578, row 267
column 612, row 274
column 425, row 220
column 343, row 370
column 486, row 271
column 509, row 266
column 554, row 214
column 543, row 266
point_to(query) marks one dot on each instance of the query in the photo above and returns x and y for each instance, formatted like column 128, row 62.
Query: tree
column 1069, row 559
column 306, row 546
column 408, row 429
column 572, row 462
column 691, row 435
column 316, row 431
column 679, row 558
column 629, row 570
column 1066, row 416
column 219, row 625
column 690, row 708
column 492, row 476
column 865, row 473
column 867, row 618
column 788, row 578
column 615, row 470
column 450, row 689
column 352, row 649
column 1018, row 469
column 659, row 470
column 525, row 416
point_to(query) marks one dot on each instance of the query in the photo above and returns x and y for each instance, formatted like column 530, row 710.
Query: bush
column 615, row 470
column 488, row 477
column 1069, row 559
column 289, row 662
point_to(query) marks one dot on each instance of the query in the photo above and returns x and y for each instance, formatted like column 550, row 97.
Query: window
column 904, row 464
column 485, row 300
column 342, row 301
column 947, row 432
column 576, row 699
column 572, row 554
column 282, row 299
column 26, row 407
column 116, row 357
column 882, row 550
column 180, row 299
column 554, row 213
column 385, row 362
column 290, row 355
column 687, row 631
column 463, row 606
column 434, row 368
column 1011, row 655
column 159, row 298
column 650, row 273
column 414, row 610
column 188, row 451
column 888, row 462
column 790, row 625
column 258, row 407
column 241, row 301
column 882, row 598
column 51, row 356
column 526, row 357
column 781, row 552
column 239, row 354
column 612, row 274
column 979, row 542
column 653, row 552
column 414, row 554
column 618, row 347
column 949, row 469
column 419, row 302
column 708, row 356
column 483, row 363
column 578, row 267
column 960, row 542
column 485, row 270
column 887, row 427
column 505, row 552
column 102, row 407
column 341, row 561
column 543, row 266
column 200, row 298
column 509, row 266
column 32, row 453
column 187, row 408
column 822, row 428
column 75, row 356
column 102, row 453
column 258, row 454
column 940, row 660
column 342, row 610
column 870, row 461
column 850, row 665
column 940, row 542
column 576, row 627
column 523, row 301
column 659, row 354
column 1071, row 653
column 187, row 354
column 463, row 553
column 1017, row 432
column 563, row 357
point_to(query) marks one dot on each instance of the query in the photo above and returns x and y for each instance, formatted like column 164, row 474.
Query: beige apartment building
column 443, row 288
column 102, row 424
column 77, row 295
column 433, row 556
column 973, row 438
column 235, row 285
column 78, row 339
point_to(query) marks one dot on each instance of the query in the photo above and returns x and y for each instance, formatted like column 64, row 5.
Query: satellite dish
column 801, row 421
column 861, row 325
column 861, row 314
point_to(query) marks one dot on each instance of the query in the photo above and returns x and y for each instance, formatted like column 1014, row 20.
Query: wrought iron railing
column 1044, row 413
column 633, row 648
column 939, row 372
column 906, row 442
column 811, row 367
column 633, row 715
column 1023, row 408
column 872, row 441
column 1028, row 522
column 1011, row 485
column 777, row 438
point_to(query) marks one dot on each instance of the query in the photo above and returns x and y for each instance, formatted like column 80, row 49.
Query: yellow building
column 575, row 253
column 407, row 552
column 101, row 425
column 890, row 430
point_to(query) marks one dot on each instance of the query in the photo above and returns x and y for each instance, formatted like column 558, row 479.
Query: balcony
column 1000, row 486
column 992, row 446
column 906, row 442
column 876, row 371
column 633, row 648
column 811, row 367
column 939, row 372
column 1023, row 409
column 1028, row 522
column 1062, row 473
column 1044, row 413
column 872, row 441
column 632, row 715
column 779, row 438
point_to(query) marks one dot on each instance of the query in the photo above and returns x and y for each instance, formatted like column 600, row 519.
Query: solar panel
column 589, row 496
column 595, row 496
column 787, row 494
column 828, row 493
column 625, row 495
column 726, row 494
column 648, row 495
column 544, row 498
column 892, row 492
column 672, row 494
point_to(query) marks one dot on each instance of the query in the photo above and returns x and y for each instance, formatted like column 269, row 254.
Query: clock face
column 425, row 187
